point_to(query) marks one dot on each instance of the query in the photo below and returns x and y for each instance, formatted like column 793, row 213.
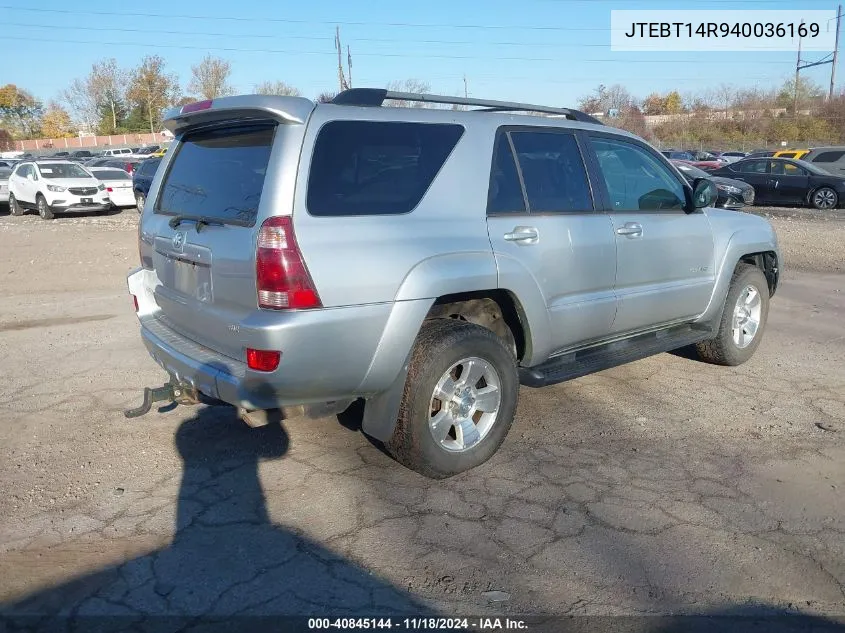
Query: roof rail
column 377, row 97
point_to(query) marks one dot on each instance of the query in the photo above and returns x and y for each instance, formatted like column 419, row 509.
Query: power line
column 379, row 54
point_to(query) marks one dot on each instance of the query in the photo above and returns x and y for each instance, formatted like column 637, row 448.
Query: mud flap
column 381, row 411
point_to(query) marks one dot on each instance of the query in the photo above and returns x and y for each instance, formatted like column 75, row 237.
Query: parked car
column 82, row 154
column 146, row 151
column 293, row 257
column 5, row 172
column 760, row 153
column 142, row 179
column 830, row 159
column 779, row 181
column 677, row 155
column 117, row 151
column 118, row 185
column 55, row 186
column 733, row 194
column 109, row 161
column 732, row 157
column 791, row 153
column 160, row 152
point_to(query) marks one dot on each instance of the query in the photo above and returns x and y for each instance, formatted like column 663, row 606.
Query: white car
column 55, row 186
column 5, row 172
column 118, row 185
column 118, row 152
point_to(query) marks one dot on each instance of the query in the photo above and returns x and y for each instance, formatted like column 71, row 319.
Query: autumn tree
column 673, row 103
column 56, row 122
column 326, row 97
column 99, row 99
column 416, row 86
column 151, row 89
column 654, row 104
column 277, row 88
column 19, row 110
column 615, row 98
column 210, row 78
column 6, row 141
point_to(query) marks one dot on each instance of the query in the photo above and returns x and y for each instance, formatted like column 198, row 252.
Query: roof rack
column 377, row 97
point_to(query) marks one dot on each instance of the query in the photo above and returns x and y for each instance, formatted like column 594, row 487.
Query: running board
column 593, row 359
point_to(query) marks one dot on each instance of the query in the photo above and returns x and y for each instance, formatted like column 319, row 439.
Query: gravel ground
column 663, row 486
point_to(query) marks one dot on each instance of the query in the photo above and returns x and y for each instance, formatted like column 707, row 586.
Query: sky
column 542, row 51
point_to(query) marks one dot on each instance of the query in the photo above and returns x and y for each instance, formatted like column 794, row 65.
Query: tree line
column 115, row 100
column 726, row 116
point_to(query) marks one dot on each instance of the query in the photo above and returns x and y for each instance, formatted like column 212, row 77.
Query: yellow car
column 158, row 153
column 797, row 154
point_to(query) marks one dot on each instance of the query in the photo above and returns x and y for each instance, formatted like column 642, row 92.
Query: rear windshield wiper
column 200, row 221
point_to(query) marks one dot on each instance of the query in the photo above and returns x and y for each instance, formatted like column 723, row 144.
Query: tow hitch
column 170, row 392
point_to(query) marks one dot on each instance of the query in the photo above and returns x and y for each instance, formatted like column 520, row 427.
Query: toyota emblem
column 178, row 241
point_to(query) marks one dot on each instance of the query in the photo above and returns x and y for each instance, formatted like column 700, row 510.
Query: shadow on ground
column 226, row 558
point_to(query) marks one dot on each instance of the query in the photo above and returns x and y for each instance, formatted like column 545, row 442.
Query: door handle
column 630, row 229
column 523, row 235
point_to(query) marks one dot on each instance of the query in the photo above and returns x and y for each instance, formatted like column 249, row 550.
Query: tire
column 44, row 209
column 725, row 349
column 14, row 207
column 824, row 198
column 443, row 345
column 140, row 200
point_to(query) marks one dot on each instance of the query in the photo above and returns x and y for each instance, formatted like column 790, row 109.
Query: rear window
column 112, row 174
column 218, row 174
column 829, row 157
column 787, row 154
column 376, row 168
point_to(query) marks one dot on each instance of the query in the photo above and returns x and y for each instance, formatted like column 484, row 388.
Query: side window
column 829, row 157
column 505, row 194
column 786, row 169
column 636, row 180
column 753, row 167
column 553, row 171
column 376, row 167
column 787, row 155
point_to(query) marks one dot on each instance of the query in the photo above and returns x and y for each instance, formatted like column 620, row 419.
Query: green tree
column 673, row 103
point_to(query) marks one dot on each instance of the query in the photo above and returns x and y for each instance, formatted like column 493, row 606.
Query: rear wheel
column 824, row 198
column 459, row 401
column 743, row 319
column 140, row 200
column 44, row 209
column 14, row 207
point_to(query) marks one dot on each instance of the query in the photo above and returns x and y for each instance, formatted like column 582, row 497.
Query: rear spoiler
column 283, row 109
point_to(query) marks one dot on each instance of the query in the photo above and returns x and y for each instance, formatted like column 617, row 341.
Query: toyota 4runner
column 296, row 257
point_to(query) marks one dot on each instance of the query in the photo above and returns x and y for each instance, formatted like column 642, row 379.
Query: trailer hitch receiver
column 170, row 392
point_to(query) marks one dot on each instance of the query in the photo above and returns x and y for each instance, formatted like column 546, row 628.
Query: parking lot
column 667, row 485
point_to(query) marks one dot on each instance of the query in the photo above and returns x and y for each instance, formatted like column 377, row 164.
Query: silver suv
column 297, row 257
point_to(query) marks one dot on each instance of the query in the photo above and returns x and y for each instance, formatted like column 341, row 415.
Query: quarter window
column 636, row 180
column 505, row 195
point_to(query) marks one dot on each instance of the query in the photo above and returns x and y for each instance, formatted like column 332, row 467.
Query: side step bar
column 593, row 359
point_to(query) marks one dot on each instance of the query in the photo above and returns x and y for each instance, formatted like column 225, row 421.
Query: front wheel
column 743, row 319
column 459, row 400
column 14, row 207
column 44, row 209
column 824, row 198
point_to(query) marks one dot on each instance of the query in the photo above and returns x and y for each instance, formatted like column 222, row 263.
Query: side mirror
column 704, row 193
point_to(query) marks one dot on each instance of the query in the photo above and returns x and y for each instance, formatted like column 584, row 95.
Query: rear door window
column 218, row 174
column 751, row 167
column 829, row 157
column 376, row 167
column 553, row 172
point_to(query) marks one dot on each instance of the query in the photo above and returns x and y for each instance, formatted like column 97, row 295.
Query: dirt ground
column 664, row 486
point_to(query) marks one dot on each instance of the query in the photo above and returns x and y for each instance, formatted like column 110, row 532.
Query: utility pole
column 465, row 87
column 835, row 53
column 349, row 64
column 341, row 78
column 797, row 70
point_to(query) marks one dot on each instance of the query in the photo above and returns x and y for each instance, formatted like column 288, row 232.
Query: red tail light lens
column 262, row 360
column 281, row 275
column 196, row 106
column 135, row 302
column 109, row 189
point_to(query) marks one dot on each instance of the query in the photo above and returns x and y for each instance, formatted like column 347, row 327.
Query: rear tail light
column 262, row 360
column 135, row 302
column 281, row 275
column 196, row 106
column 109, row 189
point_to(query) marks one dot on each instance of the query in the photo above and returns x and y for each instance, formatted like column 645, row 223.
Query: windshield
column 111, row 174
column 5, row 173
column 691, row 172
column 62, row 170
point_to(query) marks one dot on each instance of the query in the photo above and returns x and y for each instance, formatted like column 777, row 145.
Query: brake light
column 135, row 301
column 109, row 189
column 281, row 275
column 196, row 106
column 262, row 360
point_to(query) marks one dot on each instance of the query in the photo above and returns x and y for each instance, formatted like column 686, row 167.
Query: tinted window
column 5, row 173
column 636, row 180
column 505, row 194
column 376, row 168
column 553, row 171
column 22, row 171
column 829, row 157
column 148, row 167
column 112, row 174
column 218, row 174
column 787, row 155
column 750, row 167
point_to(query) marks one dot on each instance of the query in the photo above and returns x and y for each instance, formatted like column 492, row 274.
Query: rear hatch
column 225, row 174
